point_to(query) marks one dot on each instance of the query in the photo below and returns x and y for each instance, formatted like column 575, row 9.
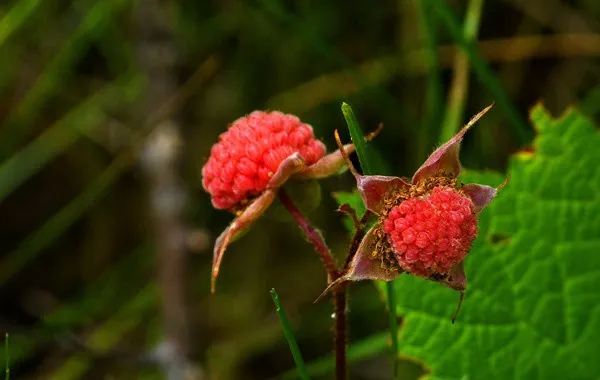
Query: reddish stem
column 359, row 234
column 311, row 233
column 339, row 296
column 340, row 335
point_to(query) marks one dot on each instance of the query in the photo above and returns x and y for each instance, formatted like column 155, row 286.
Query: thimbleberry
column 249, row 153
column 257, row 155
column 431, row 233
column 424, row 227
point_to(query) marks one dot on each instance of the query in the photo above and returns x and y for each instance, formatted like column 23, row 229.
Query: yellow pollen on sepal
column 382, row 249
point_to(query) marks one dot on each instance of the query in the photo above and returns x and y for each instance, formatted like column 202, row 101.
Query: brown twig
column 359, row 234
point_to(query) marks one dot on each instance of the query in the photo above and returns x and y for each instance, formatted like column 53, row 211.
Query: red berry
column 250, row 152
column 431, row 233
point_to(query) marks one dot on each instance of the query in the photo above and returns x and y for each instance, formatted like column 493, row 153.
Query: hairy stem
column 339, row 296
column 311, row 233
column 340, row 335
column 359, row 234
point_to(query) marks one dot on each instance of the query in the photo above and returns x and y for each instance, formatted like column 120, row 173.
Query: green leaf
column 531, row 310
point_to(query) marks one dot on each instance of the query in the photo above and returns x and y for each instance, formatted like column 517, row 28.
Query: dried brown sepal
column 351, row 212
column 481, row 195
column 245, row 218
column 364, row 267
column 255, row 208
column 455, row 280
column 445, row 158
column 458, row 306
column 327, row 166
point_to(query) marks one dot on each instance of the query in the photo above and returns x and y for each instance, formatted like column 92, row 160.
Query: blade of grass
column 6, row 358
column 54, row 140
column 361, row 350
column 114, row 287
column 119, row 56
column 484, row 73
column 382, row 70
column 384, row 100
column 106, row 336
column 52, row 78
column 358, row 138
column 460, row 78
column 368, row 169
column 289, row 335
column 35, row 243
column 15, row 17
column 434, row 95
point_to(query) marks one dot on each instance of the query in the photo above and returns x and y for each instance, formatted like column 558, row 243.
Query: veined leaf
column 531, row 310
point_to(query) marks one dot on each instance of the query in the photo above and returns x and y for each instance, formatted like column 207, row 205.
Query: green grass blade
column 434, row 95
column 114, row 287
column 361, row 350
column 369, row 169
column 384, row 99
column 484, row 73
column 6, row 358
column 52, row 78
column 107, row 335
column 289, row 335
column 54, row 140
column 15, row 17
column 35, row 243
column 119, row 56
column 460, row 81
column 358, row 139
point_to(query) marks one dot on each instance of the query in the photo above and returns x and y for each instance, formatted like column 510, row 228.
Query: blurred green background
column 108, row 110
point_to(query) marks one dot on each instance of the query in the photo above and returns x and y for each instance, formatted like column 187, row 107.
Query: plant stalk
column 340, row 336
column 339, row 295
column 312, row 234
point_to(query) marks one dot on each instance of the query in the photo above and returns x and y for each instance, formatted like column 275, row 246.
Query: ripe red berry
column 250, row 152
column 429, row 234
